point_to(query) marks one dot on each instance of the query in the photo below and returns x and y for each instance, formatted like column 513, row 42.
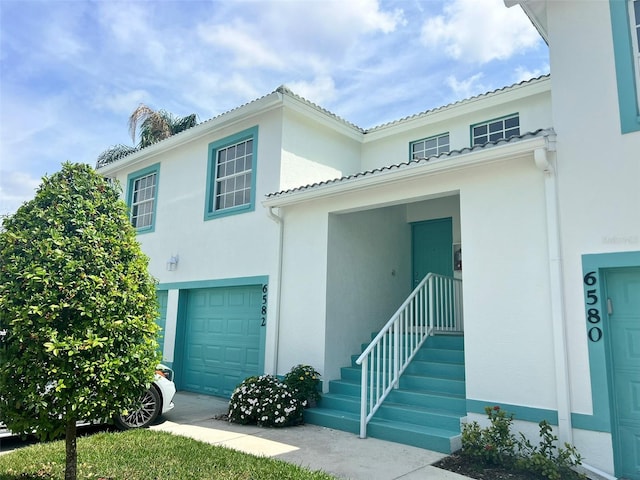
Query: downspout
column 543, row 159
column 279, row 220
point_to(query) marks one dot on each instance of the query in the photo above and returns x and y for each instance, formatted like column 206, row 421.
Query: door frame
column 594, row 269
column 616, row 441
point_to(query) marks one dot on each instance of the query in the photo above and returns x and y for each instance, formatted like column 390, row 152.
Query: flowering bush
column 265, row 401
column 304, row 381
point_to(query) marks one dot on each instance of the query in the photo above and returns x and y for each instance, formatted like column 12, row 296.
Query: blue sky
column 71, row 71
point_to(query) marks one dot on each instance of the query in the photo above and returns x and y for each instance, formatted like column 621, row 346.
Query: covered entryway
column 220, row 338
column 623, row 298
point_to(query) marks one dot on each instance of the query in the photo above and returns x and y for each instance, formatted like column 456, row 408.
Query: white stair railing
column 435, row 305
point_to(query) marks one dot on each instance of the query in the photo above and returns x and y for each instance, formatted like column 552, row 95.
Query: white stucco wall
column 598, row 172
column 390, row 144
column 508, row 347
column 313, row 152
column 368, row 278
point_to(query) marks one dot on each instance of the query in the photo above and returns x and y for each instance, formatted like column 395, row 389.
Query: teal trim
column 527, row 414
column 132, row 177
column 600, row 420
column 162, row 296
column 224, row 282
column 178, row 354
column 209, row 208
column 625, row 69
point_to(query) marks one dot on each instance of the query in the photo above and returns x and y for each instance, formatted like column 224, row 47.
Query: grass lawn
column 145, row 455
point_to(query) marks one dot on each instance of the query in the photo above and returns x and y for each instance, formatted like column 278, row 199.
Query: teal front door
column 623, row 293
column 432, row 244
column 221, row 339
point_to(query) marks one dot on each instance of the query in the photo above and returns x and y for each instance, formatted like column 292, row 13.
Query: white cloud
column 478, row 31
column 15, row 189
column 249, row 50
column 522, row 73
column 467, row 87
column 122, row 103
column 320, row 90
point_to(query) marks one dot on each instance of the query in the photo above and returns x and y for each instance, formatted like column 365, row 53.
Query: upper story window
column 231, row 174
column 430, row 147
column 142, row 198
column 625, row 27
column 494, row 130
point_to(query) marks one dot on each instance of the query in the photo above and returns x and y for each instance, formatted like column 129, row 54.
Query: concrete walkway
column 338, row 453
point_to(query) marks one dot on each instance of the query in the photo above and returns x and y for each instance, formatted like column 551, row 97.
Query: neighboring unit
column 281, row 234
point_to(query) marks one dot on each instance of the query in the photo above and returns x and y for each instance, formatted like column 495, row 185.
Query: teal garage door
column 223, row 338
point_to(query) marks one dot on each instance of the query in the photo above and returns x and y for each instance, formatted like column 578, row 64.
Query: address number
column 593, row 313
column 263, row 309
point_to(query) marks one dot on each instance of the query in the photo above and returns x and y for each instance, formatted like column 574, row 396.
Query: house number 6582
column 593, row 314
column 263, row 308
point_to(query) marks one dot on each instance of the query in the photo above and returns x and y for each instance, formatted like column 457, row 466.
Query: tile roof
column 454, row 153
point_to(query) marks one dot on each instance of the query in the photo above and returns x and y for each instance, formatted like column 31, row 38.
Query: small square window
column 430, row 147
column 495, row 130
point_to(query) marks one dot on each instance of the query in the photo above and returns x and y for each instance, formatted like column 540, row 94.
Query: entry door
column 432, row 244
column 623, row 292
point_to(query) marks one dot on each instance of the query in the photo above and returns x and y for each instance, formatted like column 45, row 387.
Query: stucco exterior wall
column 508, row 347
column 368, row 278
column 312, row 152
column 598, row 172
column 390, row 145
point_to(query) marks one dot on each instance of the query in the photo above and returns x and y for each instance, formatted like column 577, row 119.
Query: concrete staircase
column 424, row 412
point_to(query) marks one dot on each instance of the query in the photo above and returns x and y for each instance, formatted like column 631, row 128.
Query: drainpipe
column 543, row 159
column 279, row 220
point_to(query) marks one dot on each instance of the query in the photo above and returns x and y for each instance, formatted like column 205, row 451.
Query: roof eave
column 495, row 153
column 242, row 113
column 536, row 10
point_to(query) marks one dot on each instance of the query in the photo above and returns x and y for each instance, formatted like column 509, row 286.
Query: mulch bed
column 462, row 465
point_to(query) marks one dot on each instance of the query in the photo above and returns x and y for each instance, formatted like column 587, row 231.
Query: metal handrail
column 434, row 305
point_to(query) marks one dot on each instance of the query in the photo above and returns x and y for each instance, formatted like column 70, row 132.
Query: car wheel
column 147, row 412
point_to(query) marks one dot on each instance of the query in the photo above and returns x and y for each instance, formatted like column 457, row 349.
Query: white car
column 158, row 399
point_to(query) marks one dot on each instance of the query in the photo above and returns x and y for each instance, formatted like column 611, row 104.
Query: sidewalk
column 338, row 453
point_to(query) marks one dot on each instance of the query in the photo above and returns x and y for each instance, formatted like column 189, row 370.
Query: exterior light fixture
column 172, row 263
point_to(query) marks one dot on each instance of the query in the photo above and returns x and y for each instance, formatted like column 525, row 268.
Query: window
column 625, row 26
column 143, row 191
column 495, row 130
column 430, row 147
column 231, row 174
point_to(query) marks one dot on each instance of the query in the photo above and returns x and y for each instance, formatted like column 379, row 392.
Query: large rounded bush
column 265, row 401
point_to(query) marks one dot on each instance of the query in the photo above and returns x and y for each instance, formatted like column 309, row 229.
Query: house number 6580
column 593, row 314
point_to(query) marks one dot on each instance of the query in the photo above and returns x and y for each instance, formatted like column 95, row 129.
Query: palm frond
column 114, row 153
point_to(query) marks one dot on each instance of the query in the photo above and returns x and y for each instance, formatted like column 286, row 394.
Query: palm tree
column 155, row 125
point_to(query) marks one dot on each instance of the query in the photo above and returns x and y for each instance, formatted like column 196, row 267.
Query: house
column 282, row 234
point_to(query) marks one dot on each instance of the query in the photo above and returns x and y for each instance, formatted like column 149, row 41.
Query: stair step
column 418, row 415
column 432, row 384
column 425, row 410
column 432, row 438
column 450, row 403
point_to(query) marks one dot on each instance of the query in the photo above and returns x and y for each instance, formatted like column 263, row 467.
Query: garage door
column 223, row 339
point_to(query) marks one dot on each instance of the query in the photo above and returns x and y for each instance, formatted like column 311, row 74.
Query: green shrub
column 495, row 445
column 265, row 401
column 304, row 381
column 546, row 459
